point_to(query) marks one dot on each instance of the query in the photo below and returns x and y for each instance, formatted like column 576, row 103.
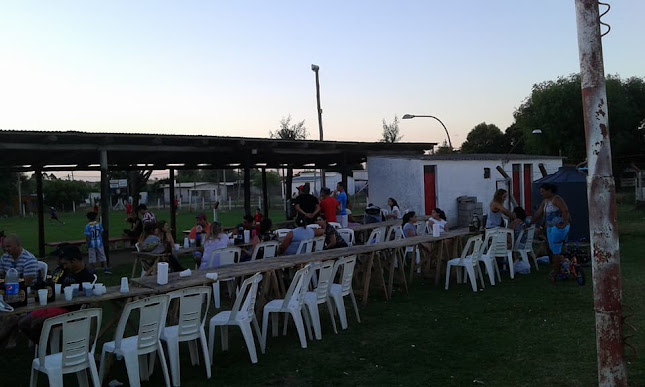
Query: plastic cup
column 74, row 290
column 69, row 293
column 87, row 288
column 42, row 296
column 177, row 246
column 192, row 242
column 58, row 288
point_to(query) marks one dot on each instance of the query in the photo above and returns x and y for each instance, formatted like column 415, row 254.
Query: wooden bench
column 113, row 242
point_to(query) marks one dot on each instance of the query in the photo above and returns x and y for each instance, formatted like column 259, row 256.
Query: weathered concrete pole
column 601, row 198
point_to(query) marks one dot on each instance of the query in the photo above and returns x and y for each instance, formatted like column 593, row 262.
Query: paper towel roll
column 436, row 230
column 247, row 236
column 162, row 273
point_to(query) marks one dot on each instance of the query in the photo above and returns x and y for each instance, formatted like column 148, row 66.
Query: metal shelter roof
column 51, row 151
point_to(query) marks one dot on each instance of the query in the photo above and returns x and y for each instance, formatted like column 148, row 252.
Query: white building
column 313, row 178
column 196, row 192
column 421, row 183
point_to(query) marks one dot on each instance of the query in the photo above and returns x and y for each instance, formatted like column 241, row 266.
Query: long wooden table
column 241, row 269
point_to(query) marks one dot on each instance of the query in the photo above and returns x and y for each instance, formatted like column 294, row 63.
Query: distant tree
column 443, row 149
column 555, row 107
column 9, row 186
column 289, row 131
column 391, row 131
column 485, row 138
column 515, row 139
column 61, row 193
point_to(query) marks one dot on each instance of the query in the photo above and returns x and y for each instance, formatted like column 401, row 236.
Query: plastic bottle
column 11, row 287
column 51, row 289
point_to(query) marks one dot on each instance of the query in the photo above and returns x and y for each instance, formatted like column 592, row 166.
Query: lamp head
column 407, row 116
column 536, row 131
column 315, row 67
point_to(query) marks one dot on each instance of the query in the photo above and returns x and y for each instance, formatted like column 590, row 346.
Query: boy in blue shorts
column 93, row 237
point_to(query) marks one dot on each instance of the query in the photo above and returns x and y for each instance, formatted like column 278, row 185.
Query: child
column 93, row 237
column 257, row 219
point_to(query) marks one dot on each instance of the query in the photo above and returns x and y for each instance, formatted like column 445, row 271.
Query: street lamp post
column 315, row 69
column 535, row 131
column 410, row 116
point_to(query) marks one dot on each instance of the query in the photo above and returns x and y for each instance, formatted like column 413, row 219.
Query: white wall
column 399, row 178
column 402, row 179
column 331, row 179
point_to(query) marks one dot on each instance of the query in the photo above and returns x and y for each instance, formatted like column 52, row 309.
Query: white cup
column 87, row 288
column 75, row 289
column 192, row 242
column 69, row 293
column 42, row 296
column 177, row 246
column 57, row 290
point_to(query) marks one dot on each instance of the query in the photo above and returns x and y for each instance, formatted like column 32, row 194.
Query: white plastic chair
column 282, row 232
column 320, row 295
column 335, row 225
column 319, row 243
column 269, row 248
column 489, row 261
column 499, row 249
column 189, row 328
column 242, row 314
column 469, row 262
column 292, row 304
column 421, row 227
column 348, row 235
column 78, row 349
column 313, row 225
column 394, row 233
column 338, row 292
column 42, row 268
column 414, row 250
column 376, row 236
column 227, row 256
column 152, row 318
column 527, row 248
column 306, row 246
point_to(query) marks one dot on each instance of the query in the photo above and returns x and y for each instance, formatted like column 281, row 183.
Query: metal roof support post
column 265, row 193
column 105, row 204
column 41, row 212
column 247, row 185
column 602, row 202
column 173, row 208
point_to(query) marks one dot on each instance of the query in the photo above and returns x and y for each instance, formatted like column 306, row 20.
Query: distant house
column 198, row 191
column 422, row 183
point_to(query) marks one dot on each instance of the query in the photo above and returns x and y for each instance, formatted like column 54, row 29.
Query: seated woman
column 410, row 229
column 437, row 216
column 332, row 237
column 215, row 239
column 291, row 242
column 518, row 225
column 395, row 212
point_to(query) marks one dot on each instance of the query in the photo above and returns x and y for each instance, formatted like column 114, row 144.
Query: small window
column 486, row 173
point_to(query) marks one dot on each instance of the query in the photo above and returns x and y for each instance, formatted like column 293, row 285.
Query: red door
column 516, row 183
column 528, row 180
column 429, row 188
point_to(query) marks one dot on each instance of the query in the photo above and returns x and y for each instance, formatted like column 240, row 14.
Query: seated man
column 201, row 227
column 16, row 257
column 238, row 233
column 74, row 273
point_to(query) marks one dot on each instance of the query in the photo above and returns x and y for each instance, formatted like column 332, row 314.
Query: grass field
column 524, row 332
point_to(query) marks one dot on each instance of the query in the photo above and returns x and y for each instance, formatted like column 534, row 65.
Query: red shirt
column 328, row 207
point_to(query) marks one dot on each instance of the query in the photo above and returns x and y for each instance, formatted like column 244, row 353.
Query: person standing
column 556, row 214
column 496, row 209
column 328, row 205
column 94, row 239
column 307, row 205
column 341, row 196
column 53, row 215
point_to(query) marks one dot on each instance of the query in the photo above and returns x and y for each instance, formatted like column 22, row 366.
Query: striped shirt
column 27, row 264
column 94, row 230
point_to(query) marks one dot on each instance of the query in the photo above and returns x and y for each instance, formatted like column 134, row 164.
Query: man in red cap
column 202, row 226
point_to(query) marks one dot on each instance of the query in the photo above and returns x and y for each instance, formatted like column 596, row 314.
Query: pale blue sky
column 235, row 68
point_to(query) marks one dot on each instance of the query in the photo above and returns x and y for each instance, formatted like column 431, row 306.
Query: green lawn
column 525, row 332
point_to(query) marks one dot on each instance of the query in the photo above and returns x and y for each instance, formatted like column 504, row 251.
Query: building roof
column 65, row 151
column 474, row 156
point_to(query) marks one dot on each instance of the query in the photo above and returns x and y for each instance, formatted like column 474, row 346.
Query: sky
column 236, row 68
